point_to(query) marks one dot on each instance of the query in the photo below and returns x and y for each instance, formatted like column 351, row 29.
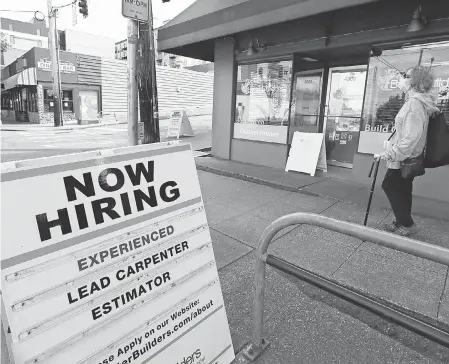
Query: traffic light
column 83, row 8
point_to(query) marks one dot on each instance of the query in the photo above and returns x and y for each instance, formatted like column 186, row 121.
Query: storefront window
column 6, row 101
column 383, row 99
column 49, row 103
column 21, row 99
column 67, row 100
column 31, row 99
column 263, row 101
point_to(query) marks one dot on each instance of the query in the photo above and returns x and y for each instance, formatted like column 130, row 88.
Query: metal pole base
column 252, row 352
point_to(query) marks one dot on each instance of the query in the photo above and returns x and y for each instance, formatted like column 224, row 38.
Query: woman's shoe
column 391, row 227
column 407, row 231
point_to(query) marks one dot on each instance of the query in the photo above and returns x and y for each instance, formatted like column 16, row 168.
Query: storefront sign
column 389, row 81
column 263, row 133
column 380, row 128
column 20, row 64
column 372, row 142
column 64, row 66
column 107, row 258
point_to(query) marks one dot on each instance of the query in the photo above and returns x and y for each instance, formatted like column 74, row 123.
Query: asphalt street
column 29, row 144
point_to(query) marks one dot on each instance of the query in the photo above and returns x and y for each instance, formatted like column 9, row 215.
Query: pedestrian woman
column 408, row 142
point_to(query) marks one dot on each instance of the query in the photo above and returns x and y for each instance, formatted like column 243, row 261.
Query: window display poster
column 383, row 98
column 306, row 100
column 346, row 93
column 262, row 98
column 262, row 133
column 307, row 94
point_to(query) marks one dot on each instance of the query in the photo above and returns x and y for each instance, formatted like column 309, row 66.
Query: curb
column 261, row 181
column 45, row 127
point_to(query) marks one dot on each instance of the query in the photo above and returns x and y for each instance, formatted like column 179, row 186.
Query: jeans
column 399, row 193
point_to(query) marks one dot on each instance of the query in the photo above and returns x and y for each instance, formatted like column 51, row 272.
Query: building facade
column 162, row 58
column 28, row 88
column 91, row 85
column 314, row 66
column 22, row 36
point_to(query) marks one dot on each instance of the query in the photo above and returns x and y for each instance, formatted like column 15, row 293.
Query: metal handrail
column 406, row 245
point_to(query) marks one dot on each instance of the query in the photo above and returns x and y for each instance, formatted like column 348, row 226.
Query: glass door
column 343, row 114
column 306, row 98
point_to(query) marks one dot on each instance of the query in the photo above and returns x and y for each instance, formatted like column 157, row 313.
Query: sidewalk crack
column 347, row 259
column 327, row 208
column 442, row 293
column 235, row 261
column 233, row 238
column 313, row 183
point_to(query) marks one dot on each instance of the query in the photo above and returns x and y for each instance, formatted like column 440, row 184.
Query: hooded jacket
column 411, row 124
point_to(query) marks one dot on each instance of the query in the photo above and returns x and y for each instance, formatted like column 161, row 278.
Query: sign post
column 111, row 262
column 74, row 14
column 133, row 116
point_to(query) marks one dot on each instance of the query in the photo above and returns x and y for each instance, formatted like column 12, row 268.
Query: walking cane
column 375, row 166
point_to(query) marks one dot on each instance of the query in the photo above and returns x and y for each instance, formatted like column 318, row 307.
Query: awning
column 26, row 77
column 205, row 20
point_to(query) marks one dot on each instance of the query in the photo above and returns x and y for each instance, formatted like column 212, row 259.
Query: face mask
column 404, row 84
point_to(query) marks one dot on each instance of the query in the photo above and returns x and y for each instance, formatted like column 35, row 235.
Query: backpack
column 437, row 149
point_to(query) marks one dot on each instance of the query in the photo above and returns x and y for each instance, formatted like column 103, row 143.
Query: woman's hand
column 387, row 144
column 383, row 156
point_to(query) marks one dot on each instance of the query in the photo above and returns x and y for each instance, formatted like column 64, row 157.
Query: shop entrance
column 344, row 104
column 306, row 96
column 330, row 100
column 88, row 101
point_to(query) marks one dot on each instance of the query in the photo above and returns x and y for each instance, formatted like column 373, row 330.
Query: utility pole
column 61, row 112
column 132, row 83
column 52, row 37
column 146, row 65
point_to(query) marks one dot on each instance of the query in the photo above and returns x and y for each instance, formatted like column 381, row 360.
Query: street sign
column 140, row 125
column 135, row 9
column 74, row 14
column 107, row 258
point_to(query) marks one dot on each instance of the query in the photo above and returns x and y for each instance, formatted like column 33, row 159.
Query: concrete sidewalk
column 303, row 324
column 323, row 184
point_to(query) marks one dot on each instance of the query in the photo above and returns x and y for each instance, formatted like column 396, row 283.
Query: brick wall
column 43, row 117
column 47, row 117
